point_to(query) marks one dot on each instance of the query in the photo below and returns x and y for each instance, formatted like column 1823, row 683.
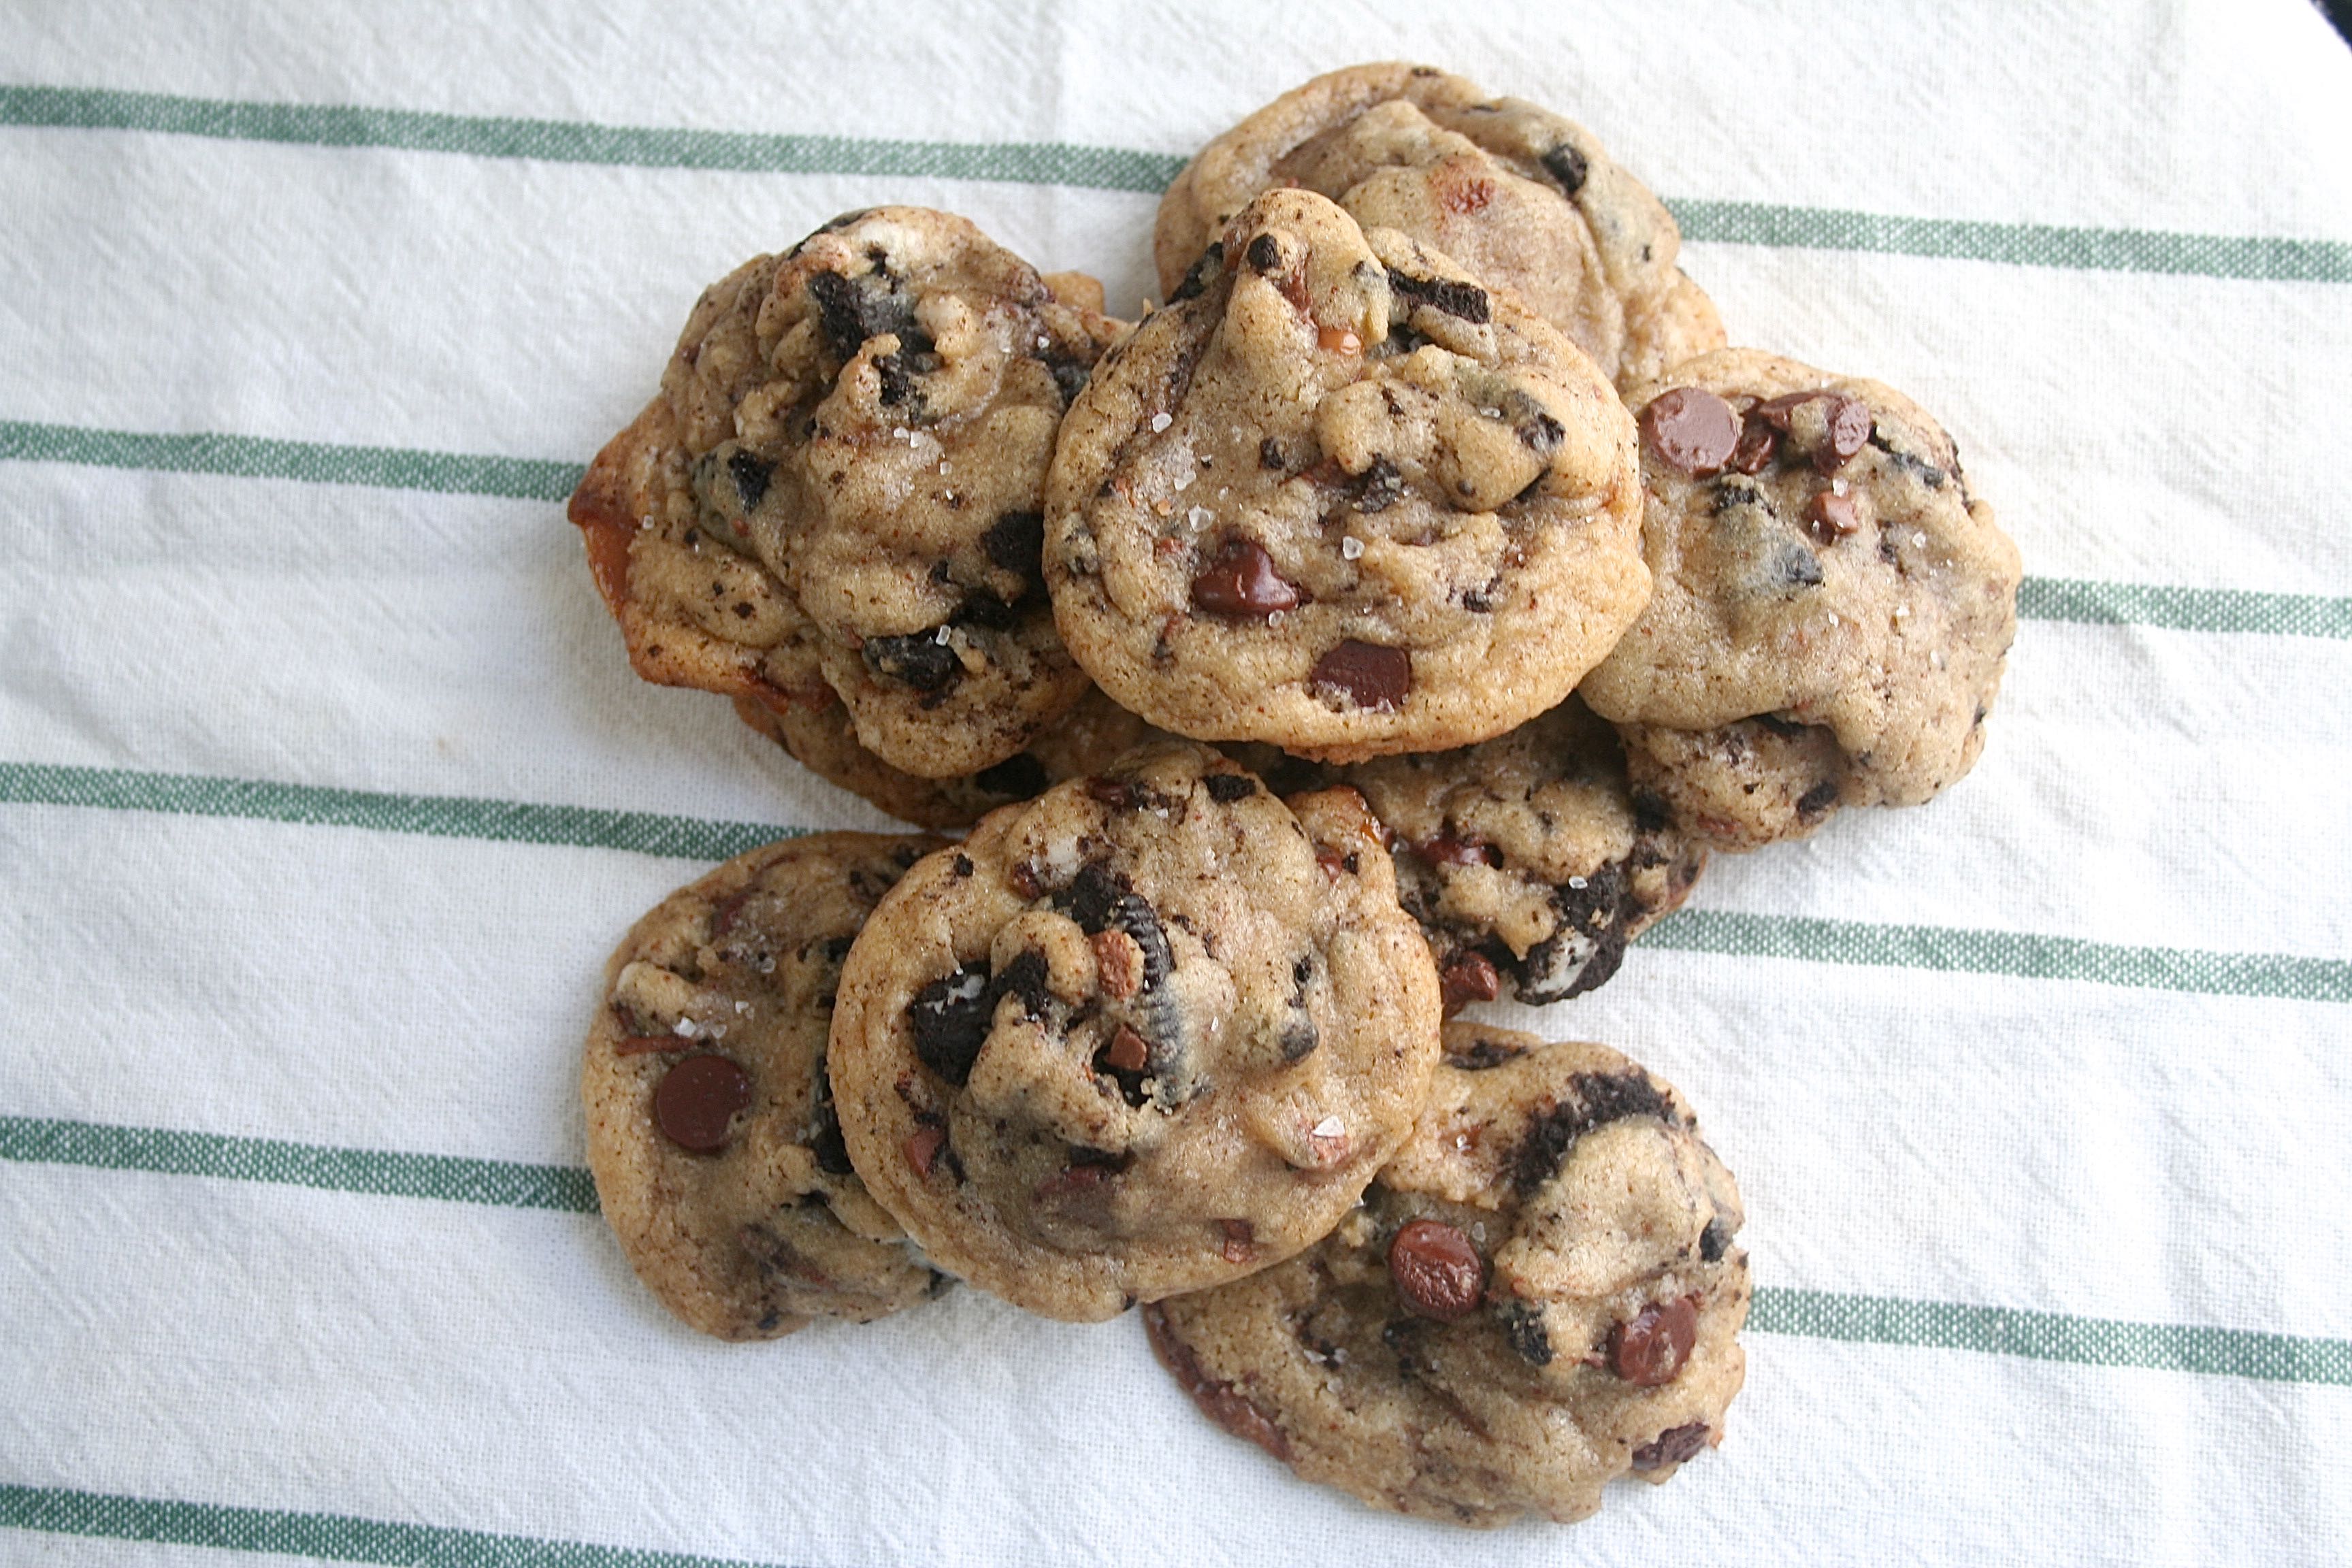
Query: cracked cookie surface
column 718, row 1161
column 1833, row 607
column 1147, row 1033
column 1519, row 197
column 1526, row 858
column 836, row 495
column 1342, row 498
column 1541, row 1294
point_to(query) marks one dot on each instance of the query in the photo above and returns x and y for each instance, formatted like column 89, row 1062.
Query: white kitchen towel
column 325, row 789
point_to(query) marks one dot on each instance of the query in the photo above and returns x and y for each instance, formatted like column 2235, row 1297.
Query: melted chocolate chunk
column 918, row 659
column 1298, row 1039
column 1482, row 1053
column 1264, row 254
column 1601, row 1098
column 1437, row 1271
column 750, row 476
column 1817, row 800
column 1468, row 977
column 1220, row 1402
column 949, row 1018
column 1241, row 583
column 1850, row 429
column 1567, row 166
column 1672, row 1446
column 1652, row 1349
column 1466, row 301
column 1691, row 429
column 1368, row 675
column 824, row 1134
column 695, row 1101
column 1226, row 788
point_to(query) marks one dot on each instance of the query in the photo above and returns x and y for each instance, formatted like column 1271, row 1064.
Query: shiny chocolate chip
column 1437, row 1270
column 695, row 1101
column 1240, row 582
column 1445, row 849
column 1850, row 427
column 1691, row 429
column 1652, row 1348
column 1760, row 443
column 1468, row 977
column 1830, row 517
column 1671, row 1446
column 1369, row 674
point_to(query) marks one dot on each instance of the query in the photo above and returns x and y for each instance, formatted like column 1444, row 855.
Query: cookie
column 1541, row 1294
column 1833, row 605
column 1082, row 740
column 1342, row 499
column 837, row 495
column 718, row 1161
column 1525, row 858
column 1144, row 1035
column 1517, row 194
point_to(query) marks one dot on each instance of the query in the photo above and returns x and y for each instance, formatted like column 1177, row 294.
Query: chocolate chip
column 1240, row 1241
column 1015, row 542
column 1221, row 1402
column 1228, row 788
column 1298, row 1039
column 922, row 1147
column 1370, row 676
column 1019, row 775
column 1264, row 253
column 1567, row 166
column 1445, row 849
column 1850, row 429
column 1468, row 977
column 1599, row 1099
column 1760, row 443
column 1437, row 1271
column 1541, row 434
column 1269, row 455
column 1652, row 1348
column 698, row 1098
column 1127, row 1051
column 1671, row 1446
column 1714, row 1241
column 918, row 659
column 1241, row 583
column 1691, row 429
column 1116, row 793
column 1817, row 800
column 949, row 1018
column 750, row 476
column 1070, row 377
column 1466, row 301
column 825, row 1142
column 1830, row 517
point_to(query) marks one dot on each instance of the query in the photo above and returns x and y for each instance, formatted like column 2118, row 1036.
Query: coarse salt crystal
column 1350, row 547
column 1919, row 542
column 1199, row 515
column 1160, row 422
column 685, row 1030
column 1329, row 1127
column 1578, row 882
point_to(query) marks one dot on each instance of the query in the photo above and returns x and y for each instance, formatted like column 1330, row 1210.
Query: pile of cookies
column 1395, row 619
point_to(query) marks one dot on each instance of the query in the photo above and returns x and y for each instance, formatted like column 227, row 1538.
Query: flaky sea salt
column 1160, row 422
column 1351, row 547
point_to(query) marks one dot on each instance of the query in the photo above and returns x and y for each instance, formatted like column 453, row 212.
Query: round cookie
column 1517, row 196
column 1147, row 1033
column 1541, row 1294
column 1833, row 607
column 718, row 1160
column 836, row 493
column 1079, row 741
column 1342, row 499
column 1525, row 858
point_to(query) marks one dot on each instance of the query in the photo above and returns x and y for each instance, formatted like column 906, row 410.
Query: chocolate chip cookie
column 1340, row 498
column 1521, row 197
column 836, row 493
column 1539, row 1294
column 1082, row 740
column 1149, row 1033
column 710, row 1128
column 1832, row 610
column 1525, row 858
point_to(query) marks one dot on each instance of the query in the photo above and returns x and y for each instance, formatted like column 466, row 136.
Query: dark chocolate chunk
column 1567, row 166
column 1652, row 1349
column 1298, row 1038
column 1671, row 1446
column 1850, row 429
column 1019, row 775
column 825, row 1136
column 1466, row 301
column 918, row 659
column 1264, row 253
column 1226, row 788
column 1241, row 583
column 1794, row 566
column 750, row 476
column 1070, row 376
column 1600, row 1098
column 695, row 1101
column 1367, row 674
column 1714, row 1241
column 1015, row 542
column 1437, row 1270
column 949, row 1018
column 1691, row 429
column 1468, row 977
column 1817, row 800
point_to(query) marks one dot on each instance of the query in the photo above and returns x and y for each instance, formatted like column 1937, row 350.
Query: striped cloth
column 324, row 789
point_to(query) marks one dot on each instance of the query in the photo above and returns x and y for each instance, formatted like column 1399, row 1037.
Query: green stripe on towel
column 2155, row 252
column 434, row 815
